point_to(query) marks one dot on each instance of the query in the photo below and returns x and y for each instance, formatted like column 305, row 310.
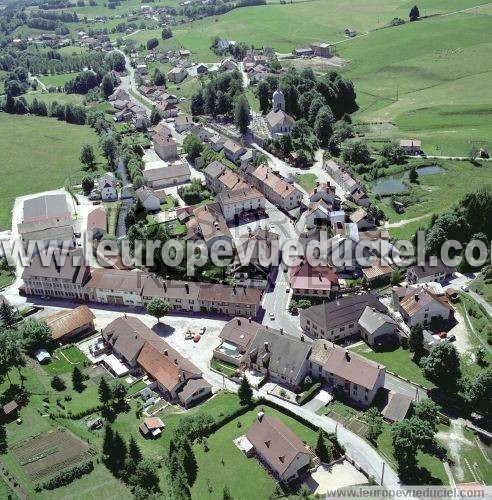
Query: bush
column 67, row 476
column 309, row 394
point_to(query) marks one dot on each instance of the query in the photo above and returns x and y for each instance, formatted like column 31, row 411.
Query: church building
column 279, row 122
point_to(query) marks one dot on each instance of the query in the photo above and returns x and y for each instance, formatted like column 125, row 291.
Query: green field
column 57, row 80
column 307, row 181
column 483, row 286
column 296, row 24
column 427, row 80
column 432, row 469
column 63, row 360
column 436, row 193
column 38, row 154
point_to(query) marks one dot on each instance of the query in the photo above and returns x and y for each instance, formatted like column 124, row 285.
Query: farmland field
column 44, row 146
column 438, row 91
column 285, row 27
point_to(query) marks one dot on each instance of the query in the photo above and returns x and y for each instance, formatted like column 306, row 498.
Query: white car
column 202, row 330
column 465, row 288
column 272, row 316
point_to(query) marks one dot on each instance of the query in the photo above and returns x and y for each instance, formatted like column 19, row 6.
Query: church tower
column 278, row 101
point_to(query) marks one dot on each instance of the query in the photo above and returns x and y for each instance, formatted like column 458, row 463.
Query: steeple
column 278, row 100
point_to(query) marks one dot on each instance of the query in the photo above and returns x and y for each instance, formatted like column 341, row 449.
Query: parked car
column 451, row 338
column 465, row 288
column 272, row 316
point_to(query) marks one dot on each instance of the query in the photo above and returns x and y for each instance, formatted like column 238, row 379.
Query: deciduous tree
column 158, row 308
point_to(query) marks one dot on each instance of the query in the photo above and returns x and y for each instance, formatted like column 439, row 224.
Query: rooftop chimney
column 187, row 288
column 249, row 319
column 164, row 285
column 238, row 321
column 302, row 338
column 166, row 353
column 347, row 356
column 260, row 415
column 266, row 346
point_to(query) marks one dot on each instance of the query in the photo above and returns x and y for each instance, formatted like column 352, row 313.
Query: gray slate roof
column 330, row 315
column 371, row 320
column 279, row 353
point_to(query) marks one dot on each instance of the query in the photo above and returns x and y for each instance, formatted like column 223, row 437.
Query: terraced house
column 137, row 288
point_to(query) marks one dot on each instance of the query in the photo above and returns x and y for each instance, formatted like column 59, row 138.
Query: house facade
column 276, row 190
column 240, row 201
column 353, row 376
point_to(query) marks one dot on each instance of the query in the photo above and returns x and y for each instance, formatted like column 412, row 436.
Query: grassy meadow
column 427, row 80
column 38, row 154
column 436, row 193
column 296, row 24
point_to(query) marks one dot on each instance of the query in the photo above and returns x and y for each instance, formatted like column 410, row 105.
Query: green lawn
column 6, row 279
column 398, row 361
column 220, row 465
column 67, row 359
column 431, row 464
column 50, row 97
column 474, row 464
column 482, row 286
column 57, row 80
column 221, row 366
column 307, row 181
column 46, row 146
column 477, row 321
column 99, row 484
column 112, row 210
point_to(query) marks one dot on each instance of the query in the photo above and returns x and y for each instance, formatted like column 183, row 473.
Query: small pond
column 394, row 183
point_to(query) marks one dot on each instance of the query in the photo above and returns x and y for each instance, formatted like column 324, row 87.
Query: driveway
column 322, row 398
column 339, row 475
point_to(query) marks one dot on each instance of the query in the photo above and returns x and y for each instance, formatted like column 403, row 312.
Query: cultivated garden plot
column 48, row 453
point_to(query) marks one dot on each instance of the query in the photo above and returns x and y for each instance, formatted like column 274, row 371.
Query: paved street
column 395, row 384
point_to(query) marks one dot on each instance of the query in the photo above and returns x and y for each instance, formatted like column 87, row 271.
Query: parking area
column 173, row 329
column 322, row 398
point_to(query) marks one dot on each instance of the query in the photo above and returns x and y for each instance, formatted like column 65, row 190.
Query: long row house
column 71, row 278
column 288, row 360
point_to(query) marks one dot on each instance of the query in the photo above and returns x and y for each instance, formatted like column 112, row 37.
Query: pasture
column 291, row 25
column 427, row 80
column 38, row 155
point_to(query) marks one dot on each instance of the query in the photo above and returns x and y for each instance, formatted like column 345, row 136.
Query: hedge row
column 78, row 415
column 309, row 394
column 67, row 476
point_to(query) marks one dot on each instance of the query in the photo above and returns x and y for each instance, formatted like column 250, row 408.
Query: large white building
column 237, row 202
